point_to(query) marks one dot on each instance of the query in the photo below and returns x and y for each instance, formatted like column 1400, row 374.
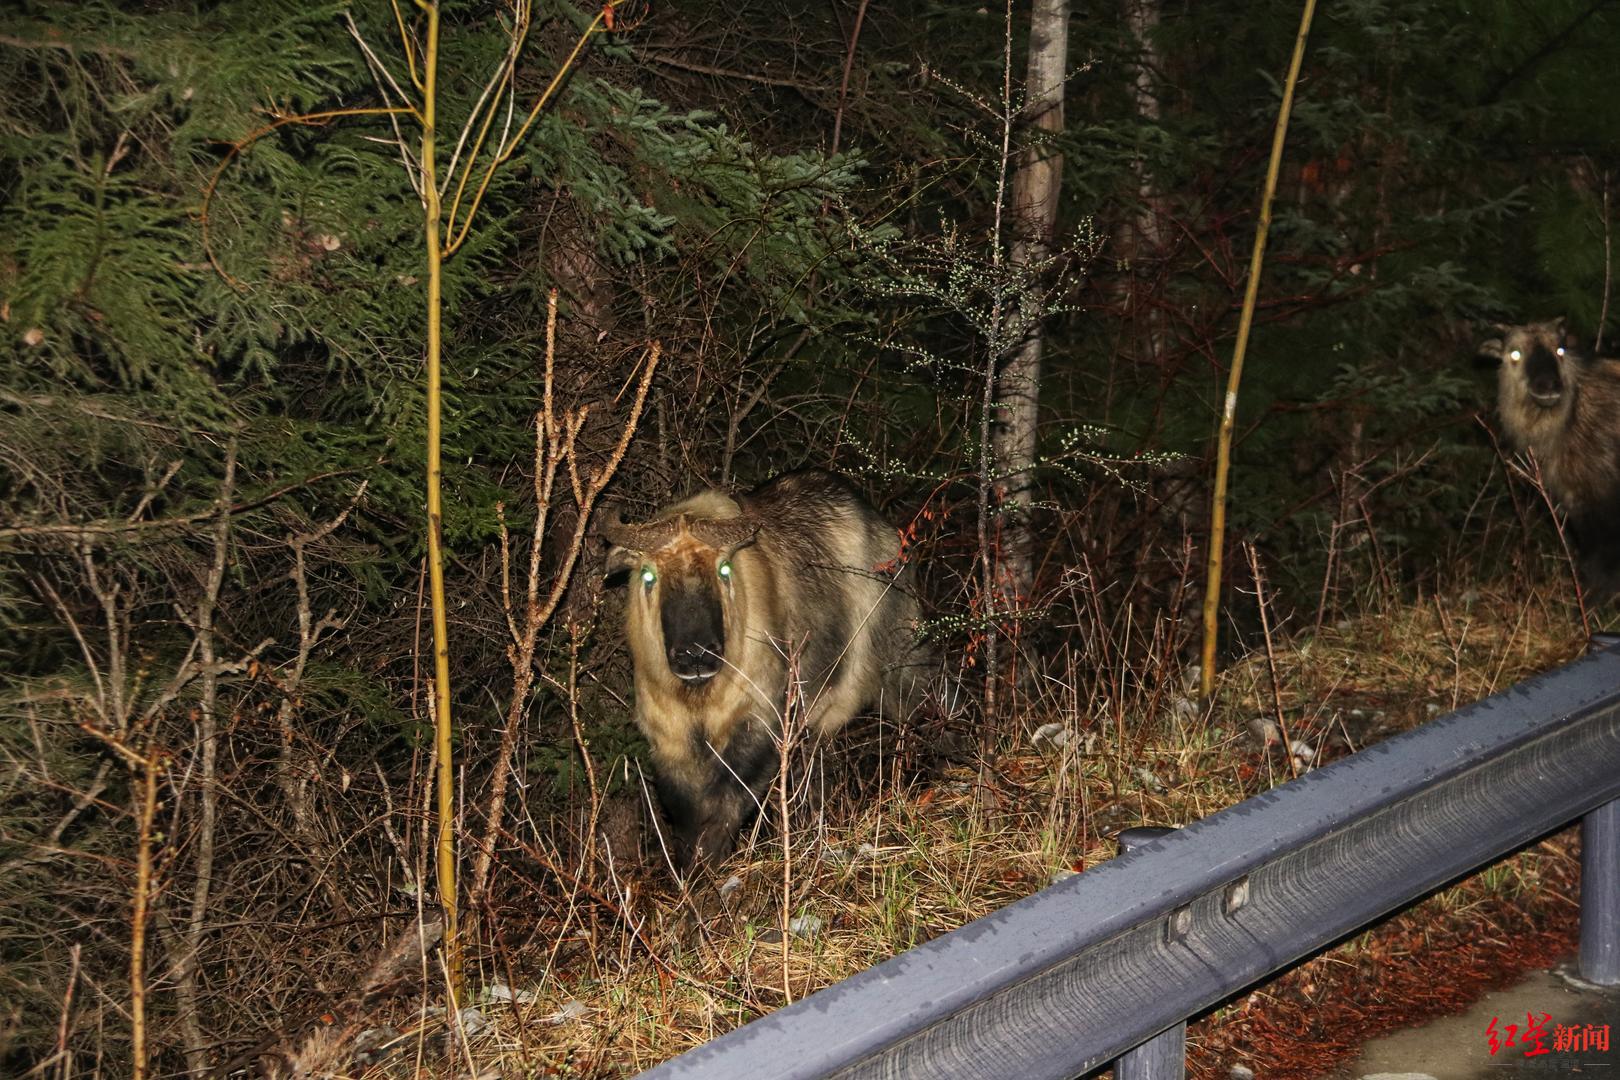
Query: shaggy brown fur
column 728, row 599
column 1565, row 411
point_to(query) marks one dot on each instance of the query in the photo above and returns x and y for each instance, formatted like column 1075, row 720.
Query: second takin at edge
column 1564, row 409
column 731, row 600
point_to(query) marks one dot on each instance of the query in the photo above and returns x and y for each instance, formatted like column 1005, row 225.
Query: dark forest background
column 211, row 516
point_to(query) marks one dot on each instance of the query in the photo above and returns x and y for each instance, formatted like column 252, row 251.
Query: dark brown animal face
column 692, row 614
column 1541, row 357
column 1536, row 380
column 682, row 582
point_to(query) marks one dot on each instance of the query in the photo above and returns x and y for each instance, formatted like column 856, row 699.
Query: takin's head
column 682, row 586
column 1537, row 377
column 688, row 629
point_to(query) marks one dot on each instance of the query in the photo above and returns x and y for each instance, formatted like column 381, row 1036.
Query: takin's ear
column 1489, row 351
column 620, row 562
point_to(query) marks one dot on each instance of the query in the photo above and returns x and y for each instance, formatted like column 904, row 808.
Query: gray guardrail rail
column 1107, row 966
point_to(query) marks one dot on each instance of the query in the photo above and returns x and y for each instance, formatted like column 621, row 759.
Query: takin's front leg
column 709, row 794
column 1597, row 545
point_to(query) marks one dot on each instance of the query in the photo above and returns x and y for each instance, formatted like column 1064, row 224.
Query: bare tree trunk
column 1035, row 189
column 1142, row 16
column 1137, row 239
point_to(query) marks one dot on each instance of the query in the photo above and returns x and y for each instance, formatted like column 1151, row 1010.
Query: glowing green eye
column 648, row 577
column 725, row 570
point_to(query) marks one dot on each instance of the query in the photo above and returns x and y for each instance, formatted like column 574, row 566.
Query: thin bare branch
column 384, row 80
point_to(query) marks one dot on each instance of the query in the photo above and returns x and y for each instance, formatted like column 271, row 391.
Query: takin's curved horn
column 648, row 537
column 612, row 527
column 725, row 534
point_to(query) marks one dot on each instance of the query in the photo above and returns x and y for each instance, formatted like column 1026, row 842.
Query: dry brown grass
column 616, row 970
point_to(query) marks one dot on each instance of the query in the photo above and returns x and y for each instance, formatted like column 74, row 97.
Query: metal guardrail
column 1108, row 965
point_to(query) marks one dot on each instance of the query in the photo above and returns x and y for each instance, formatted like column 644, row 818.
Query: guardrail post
column 1600, row 895
column 1163, row 1057
column 1600, row 878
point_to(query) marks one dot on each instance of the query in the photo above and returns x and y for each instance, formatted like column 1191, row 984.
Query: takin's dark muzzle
column 1543, row 379
column 694, row 631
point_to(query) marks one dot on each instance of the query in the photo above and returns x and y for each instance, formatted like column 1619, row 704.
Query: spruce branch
column 314, row 119
column 127, row 527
